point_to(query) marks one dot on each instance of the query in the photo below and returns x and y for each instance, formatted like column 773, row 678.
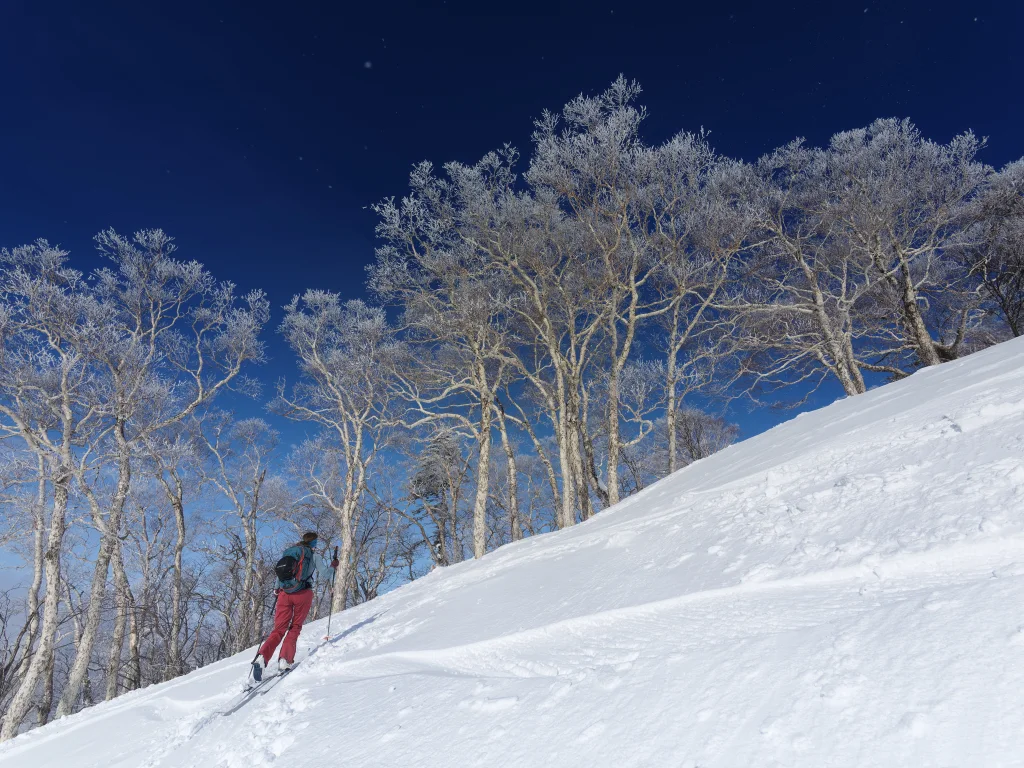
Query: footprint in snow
column 591, row 732
column 840, row 694
column 758, row 573
column 489, row 705
column 558, row 691
column 735, row 565
column 771, row 728
column 620, row 539
column 937, row 605
column 802, row 743
column 917, row 724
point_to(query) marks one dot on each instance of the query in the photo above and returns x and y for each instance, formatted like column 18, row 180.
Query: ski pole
column 330, row 608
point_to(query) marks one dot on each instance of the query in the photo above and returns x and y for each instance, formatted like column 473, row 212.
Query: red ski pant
column 288, row 617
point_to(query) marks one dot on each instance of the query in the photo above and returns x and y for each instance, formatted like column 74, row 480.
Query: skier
column 294, row 599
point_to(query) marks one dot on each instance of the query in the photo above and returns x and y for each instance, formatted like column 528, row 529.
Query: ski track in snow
column 843, row 590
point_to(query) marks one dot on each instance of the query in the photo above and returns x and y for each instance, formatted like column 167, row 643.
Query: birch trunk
column 567, row 515
column 42, row 659
column 80, row 667
column 671, row 416
column 578, row 471
column 123, row 608
column 343, row 576
column 46, row 700
column 926, row 351
column 38, row 566
column 515, row 524
column 483, row 476
column 833, row 345
column 455, row 553
column 245, row 631
column 174, row 662
column 134, row 676
column 613, row 435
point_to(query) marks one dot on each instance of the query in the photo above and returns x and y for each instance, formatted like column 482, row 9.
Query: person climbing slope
column 295, row 572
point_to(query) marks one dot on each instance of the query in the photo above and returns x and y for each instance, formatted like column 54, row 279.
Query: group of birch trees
column 99, row 376
column 541, row 337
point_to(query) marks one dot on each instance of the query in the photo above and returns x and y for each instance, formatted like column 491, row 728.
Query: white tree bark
column 124, row 607
column 42, row 659
column 483, row 474
column 512, row 475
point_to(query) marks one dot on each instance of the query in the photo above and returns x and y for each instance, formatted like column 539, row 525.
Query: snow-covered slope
column 846, row 589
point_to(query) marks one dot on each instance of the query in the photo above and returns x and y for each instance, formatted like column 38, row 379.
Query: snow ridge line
column 877, row 405
column 976, row 559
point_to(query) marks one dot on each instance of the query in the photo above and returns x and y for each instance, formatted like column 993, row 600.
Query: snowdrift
column 846, row 589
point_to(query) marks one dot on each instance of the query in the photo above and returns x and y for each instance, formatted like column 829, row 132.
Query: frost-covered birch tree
column 49, row 384
column 992, row 247
column 238, row 457
column 344, row 351
column 900, row 201
column 172, row 338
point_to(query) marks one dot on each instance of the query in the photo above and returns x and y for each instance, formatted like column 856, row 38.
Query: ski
column 253, row 689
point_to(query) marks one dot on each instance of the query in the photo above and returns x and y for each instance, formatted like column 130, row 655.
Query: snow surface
column 843, row 590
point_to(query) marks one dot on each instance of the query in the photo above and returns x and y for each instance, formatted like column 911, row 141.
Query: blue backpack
column 295, row 569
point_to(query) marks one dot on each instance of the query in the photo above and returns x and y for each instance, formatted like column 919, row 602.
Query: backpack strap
column 306, row 583
column 312, row 566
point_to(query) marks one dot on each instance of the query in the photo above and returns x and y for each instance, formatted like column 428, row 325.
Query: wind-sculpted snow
column 843, row 590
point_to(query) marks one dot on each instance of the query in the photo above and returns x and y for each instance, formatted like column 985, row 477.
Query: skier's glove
column 334, row 563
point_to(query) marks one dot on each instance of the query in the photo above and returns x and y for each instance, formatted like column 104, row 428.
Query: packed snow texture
column 846, row 589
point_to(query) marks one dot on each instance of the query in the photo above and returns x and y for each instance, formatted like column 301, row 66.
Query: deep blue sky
column 258, row 133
